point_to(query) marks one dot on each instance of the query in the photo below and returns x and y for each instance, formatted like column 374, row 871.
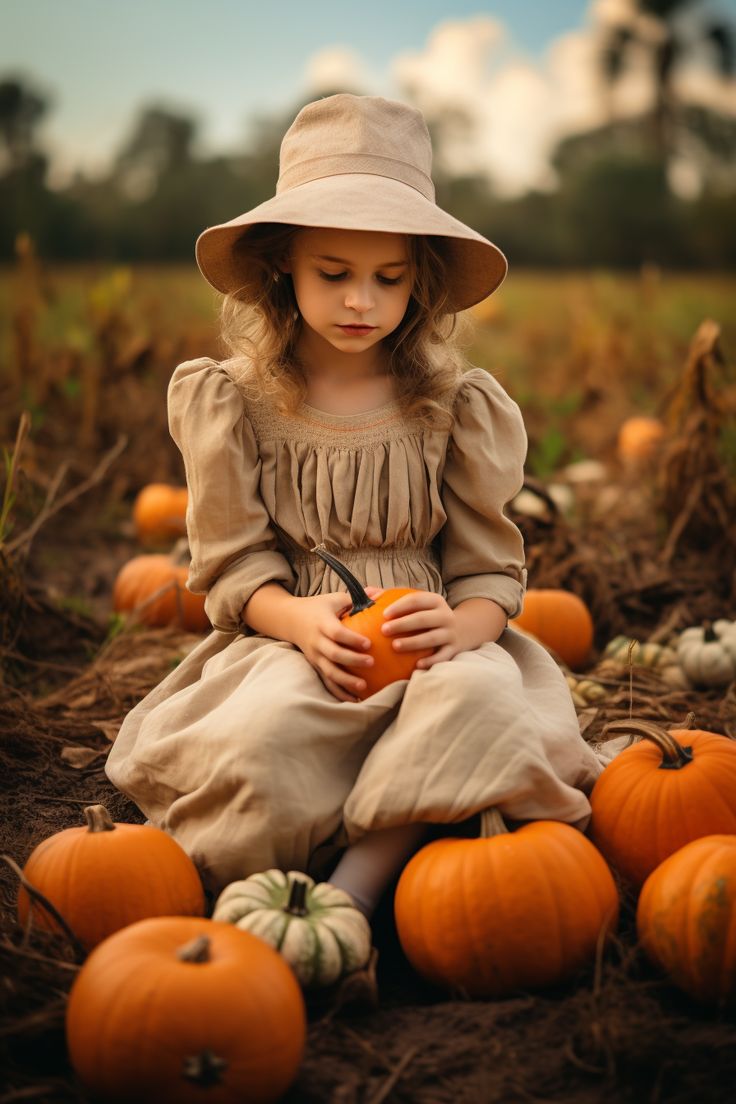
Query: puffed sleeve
column 482, row 551
column 232, row 543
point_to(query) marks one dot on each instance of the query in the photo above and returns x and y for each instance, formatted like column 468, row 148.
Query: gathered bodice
column 402, row 504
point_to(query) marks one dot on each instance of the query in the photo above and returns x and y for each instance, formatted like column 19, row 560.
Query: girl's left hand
column 425, row 611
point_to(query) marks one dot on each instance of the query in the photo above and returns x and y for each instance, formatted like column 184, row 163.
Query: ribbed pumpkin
column 366, row 617
column 661, row 793
column 106, row 875
column 686, row 918
column 159, row 513
column 506, row 911
column 560, row 620
column 153, row 586
column 183, row 1010
column 316, row 928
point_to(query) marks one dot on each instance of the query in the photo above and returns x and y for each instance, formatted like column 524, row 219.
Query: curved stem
column 98, row 819
column 674, row 755
column 361, row 601
column 197, row 950
column 492, row 823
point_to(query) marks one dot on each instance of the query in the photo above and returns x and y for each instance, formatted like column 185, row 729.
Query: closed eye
column 341, row 275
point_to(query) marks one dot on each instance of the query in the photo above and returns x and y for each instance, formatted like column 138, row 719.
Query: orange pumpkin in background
column 660, row 794
column 638, row 439
column 153, row 587
column 159, row 513
column 106, row 875
column 559, row 619
column 187, row 1011
column 366, row 617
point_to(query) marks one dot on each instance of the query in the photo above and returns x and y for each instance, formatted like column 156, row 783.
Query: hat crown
column 345, row 133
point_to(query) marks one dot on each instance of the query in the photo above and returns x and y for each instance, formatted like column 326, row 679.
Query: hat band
column 338, row 163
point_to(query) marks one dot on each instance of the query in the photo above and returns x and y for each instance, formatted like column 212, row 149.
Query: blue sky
column 225, row 60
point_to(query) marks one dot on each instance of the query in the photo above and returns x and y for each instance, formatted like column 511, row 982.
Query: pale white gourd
column 707, row 653
column 315, row 927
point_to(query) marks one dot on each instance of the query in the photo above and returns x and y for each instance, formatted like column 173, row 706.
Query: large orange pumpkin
column 686, row 918
column 183, row 1010
column 366, row 617
column 560, row 620
column 159, row 513
column 153, row 586
column 106, row 875
column 505, row 911
column 661, row 793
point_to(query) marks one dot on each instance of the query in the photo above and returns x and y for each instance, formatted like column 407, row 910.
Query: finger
column 420, row 599
column 426, row 619
column 347, row 656
column 350, row 684
column 432, row 639
column 374, row 592
column 337, row 691
column 440, row 656
column 351, row 639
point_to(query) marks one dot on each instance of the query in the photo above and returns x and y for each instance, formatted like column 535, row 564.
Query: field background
column 87, row 352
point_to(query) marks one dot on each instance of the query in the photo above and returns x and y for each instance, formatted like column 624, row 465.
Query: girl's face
column 345, row 278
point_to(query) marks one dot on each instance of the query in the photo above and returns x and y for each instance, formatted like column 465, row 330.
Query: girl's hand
column 327, row 643
column 425, row 611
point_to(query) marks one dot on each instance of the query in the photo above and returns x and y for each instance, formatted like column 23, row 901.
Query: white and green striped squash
column 642, row 655
column 315, row 927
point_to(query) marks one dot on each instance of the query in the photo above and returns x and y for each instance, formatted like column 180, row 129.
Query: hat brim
column 361, row 201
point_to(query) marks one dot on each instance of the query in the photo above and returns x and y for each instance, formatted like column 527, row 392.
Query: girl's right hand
column 330, row 646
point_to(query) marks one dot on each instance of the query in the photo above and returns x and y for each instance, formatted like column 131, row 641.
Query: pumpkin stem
column 296, row 905
column 492, row 823
column 98, row 819
column 197, row 950
column 674, row 755
column 203, row 1069
column 361, row 601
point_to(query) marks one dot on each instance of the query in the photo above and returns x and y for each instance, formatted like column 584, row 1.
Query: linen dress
column 241, row 753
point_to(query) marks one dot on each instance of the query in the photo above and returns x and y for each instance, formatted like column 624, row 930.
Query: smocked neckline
column 314, row 410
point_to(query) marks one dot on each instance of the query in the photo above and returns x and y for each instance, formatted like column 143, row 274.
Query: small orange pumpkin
column 184, row 1010
column 105, row 875
column 506, row 911
column 638, row 438
column 661, row 793
column 159, row 513
column 686, row 918
column 153, row 586
column 366, row 617
column 560, row 620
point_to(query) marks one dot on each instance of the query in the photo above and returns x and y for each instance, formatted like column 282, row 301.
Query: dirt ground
column 617, row 1032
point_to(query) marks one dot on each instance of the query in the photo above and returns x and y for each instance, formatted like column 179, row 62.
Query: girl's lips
column 358, row 329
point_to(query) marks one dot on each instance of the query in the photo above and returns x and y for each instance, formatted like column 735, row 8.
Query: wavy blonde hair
column 260, row 322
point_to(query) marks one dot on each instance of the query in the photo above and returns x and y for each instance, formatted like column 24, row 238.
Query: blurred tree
column 21, row 110
column 656, row 27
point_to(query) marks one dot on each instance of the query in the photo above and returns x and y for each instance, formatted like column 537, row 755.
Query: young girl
column 344, row 419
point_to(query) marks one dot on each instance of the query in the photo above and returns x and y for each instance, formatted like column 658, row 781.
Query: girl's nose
column 358, row 297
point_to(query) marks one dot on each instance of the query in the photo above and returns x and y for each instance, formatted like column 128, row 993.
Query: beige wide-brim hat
column 359, row 163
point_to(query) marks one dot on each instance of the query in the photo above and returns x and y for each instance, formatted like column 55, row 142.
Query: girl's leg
column 367, row 867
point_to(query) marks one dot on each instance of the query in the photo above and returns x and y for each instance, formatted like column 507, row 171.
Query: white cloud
column 517, row 109
column 338, row 67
